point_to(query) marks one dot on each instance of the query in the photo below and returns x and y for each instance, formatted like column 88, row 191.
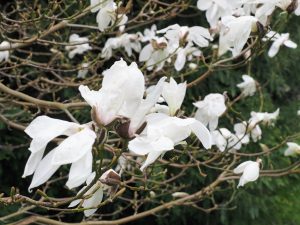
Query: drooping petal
column 93, row 201
column 251, row 173
column 80, row 170
column 44, row 171
column 33, row 162
column 241, row 167
column 74, row 147
column 43, row 129
column 151, row 158
column 202, row 133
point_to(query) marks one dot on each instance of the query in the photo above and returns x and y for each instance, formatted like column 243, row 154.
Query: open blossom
column 250, row 170
column 75, row 149
column 163, row 133
column 224, row 139
column 96, row 192
column 242, row 131
column 278, row 41
column 4, row 55
column 130, row 42
column 185, row 53
column 78, row 45
column 215, row 9
column 234, row 33
column 107, row 14
column 173, row 94
column 293, row 149
column 248, row 87
column 263, row 117
column 121, row 95
column 210, row 109
column 176, row 35
column 155, row 54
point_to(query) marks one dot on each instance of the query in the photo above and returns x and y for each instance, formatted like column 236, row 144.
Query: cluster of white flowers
column 152, row 122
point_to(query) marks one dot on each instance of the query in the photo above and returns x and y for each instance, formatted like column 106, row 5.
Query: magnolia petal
column 202, row 134
column 43, row 129
column 80, row 170
column 74, row 147
column 151, row 158
column 44, row 171
column 33, row 162
column 93, row 201
column 204, row 4
column 251, row 173
column 241, row 167
column 140, row 146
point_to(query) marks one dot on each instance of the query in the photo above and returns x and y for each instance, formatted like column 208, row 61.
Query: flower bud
column 110, row 178
column 292, row 7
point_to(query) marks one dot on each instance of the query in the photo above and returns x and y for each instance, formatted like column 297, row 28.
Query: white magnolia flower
column 263, row 117
column 234, row 33
column 215, row 9
column 107, row 14
column 78, row 45
column 155, row 54
column 130, row 42
column 121, row 95
column 94, row 200
column 242, row 131
column 176, row 34
column 121, row 92
column 293, row 149
column 250, row 170
column 210, row 109
column 149, row 34
column 248, row 87
column 83, row 71
column 163, row 133
column 183, row 53
column 278, row 41
column 224, row 139
column 75, row 149
column 174, row 94
column 4, row 55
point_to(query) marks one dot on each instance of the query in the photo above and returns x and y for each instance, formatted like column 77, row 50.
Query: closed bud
column 110, row 178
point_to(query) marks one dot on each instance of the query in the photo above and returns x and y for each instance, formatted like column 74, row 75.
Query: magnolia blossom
column 91, row 203
column 78, row 45
column 174, row 94
column 107, row 14
column 149, row 34
column 293, row 149
column 129, row 42
column 234, row 33
column 278, row 41
column 224, row 139
column 210, row 109
column 75, row 149
column 83, row 71
column 248, row 87
column 250, row 170
column 215, row 9
column 4, row 55
column 265, row 118
column 185, row 53
column 163, row 133
column 243, row 130
column 180, row 34
column 155, row 54
column 121, row 95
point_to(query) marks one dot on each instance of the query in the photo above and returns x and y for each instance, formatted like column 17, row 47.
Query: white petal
column 204, row 4
column 74, row 147
column 93, row 201
column 273, row 50
column 151, row 158
column 44, row 171
column 33, row 162
column 202, row 133
column 241, row 167
column 80, row 170
column 180, row 60
column 43, row 129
